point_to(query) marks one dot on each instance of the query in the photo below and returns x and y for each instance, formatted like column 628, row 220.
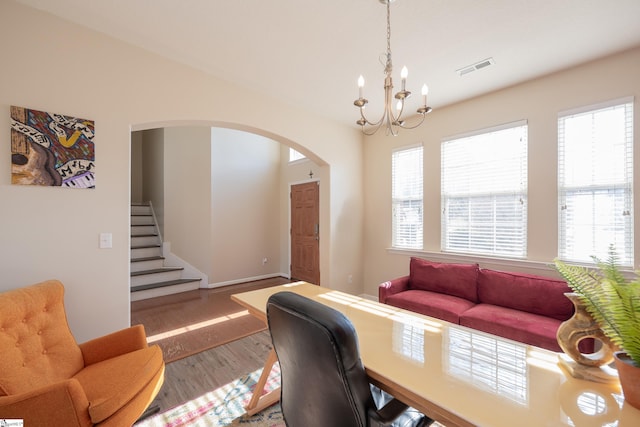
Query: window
column 294, row 155
column 407, row 198
column 484, row 192
column 595, row 182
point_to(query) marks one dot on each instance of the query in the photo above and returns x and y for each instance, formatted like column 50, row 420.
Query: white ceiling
column 310, row 53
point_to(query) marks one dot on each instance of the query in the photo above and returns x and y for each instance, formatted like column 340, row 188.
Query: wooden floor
column 196, row 375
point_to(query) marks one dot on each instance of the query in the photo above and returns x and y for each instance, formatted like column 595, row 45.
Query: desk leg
column 259, row 402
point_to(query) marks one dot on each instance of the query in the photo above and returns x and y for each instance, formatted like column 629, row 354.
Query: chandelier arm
column 375, row 129
column 370, row 123
column 403, row 126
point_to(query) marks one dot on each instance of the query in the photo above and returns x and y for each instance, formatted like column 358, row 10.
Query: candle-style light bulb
column 360, row 85
column 403, row 74
column 425, row 91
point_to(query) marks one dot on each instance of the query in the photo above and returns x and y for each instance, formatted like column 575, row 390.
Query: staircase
column 150, row 277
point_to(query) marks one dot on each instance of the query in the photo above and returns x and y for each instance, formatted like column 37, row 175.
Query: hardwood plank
column 193, row 376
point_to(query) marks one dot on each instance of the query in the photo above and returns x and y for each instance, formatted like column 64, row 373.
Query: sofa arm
column 59, row 404
column 391, row 287
column 115, row 344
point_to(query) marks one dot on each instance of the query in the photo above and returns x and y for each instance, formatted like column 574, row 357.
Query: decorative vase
column 629, row 375
column 581, row 326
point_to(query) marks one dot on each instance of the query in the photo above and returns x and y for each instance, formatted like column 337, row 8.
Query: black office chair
column 324, row 383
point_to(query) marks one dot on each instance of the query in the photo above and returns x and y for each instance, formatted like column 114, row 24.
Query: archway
column 315, row 169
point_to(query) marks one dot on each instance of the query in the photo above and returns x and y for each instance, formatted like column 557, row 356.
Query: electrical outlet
column 264, row 260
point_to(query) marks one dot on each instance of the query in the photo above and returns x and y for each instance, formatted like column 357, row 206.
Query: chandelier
column 393, row 121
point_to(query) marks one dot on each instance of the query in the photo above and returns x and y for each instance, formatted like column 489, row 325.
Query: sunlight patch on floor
column 196, row 326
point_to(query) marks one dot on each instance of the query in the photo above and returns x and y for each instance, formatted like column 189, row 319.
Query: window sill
column 506, row 264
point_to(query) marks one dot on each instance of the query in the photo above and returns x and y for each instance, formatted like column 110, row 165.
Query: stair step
column 144, row 252
column 162, row 284
column 143, row 230
column 138, row 241
column 155, row 275
column 142, row 220
column 146, row 263
column 148, row 258
column 156, row 270
column 137, row 209
column 145, row 246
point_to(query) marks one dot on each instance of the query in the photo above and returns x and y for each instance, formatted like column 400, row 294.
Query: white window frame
column 407, row 194
column 595, row 181
column 296, row 156
column 484, row 192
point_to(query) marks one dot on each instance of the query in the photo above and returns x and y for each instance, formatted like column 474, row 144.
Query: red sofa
column 521, row 307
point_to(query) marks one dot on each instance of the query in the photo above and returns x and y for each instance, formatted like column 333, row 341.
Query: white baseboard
column 246, row 279
column 369, row 297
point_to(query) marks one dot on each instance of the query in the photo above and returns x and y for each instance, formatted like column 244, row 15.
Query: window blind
column 595, row 182
column 484, row 192
column 407, row 193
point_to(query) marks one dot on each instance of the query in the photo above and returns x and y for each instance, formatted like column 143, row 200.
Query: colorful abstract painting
column 51, row 149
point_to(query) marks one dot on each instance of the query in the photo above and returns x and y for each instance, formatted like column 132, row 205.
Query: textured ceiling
column 310, row 53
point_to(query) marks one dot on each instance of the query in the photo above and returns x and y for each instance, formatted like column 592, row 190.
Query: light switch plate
column 106, row 240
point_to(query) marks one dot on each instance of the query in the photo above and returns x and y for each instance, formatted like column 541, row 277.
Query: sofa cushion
column 434, row 304
column 452, row 279
column 525, row 292
column 517, row 325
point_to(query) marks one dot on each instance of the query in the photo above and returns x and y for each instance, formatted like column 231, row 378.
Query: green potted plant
column 613, row 301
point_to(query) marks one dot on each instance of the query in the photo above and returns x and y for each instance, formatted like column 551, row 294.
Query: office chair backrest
column 323, row 379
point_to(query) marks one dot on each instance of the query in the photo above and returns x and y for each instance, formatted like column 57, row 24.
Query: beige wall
column 187, row 194
column 152, row 171
column 537, row 101
column 245, row 171
column 136, row 167
column 53, row 65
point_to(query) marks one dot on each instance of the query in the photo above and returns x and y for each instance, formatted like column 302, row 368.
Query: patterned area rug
column 223, row 407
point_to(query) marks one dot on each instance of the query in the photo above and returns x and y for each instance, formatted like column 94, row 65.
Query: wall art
column 51, row 149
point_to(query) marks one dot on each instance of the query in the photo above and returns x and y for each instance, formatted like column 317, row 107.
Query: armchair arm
column 112, row 345
column 386, row 289
column 61, row 404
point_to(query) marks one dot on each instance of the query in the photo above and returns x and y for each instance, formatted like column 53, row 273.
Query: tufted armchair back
column 36, row 344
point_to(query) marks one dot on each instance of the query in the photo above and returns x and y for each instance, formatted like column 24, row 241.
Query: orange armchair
column 47, row 379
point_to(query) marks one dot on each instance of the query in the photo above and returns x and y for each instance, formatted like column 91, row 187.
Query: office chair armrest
column 60, row 404
column 115, row 344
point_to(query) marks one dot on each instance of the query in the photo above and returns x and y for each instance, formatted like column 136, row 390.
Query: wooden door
column 305, row 232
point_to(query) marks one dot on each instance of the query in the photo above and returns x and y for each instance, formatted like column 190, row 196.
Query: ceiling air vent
column 474, row 67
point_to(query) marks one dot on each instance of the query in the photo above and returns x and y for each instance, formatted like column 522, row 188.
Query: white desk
column 459, row 376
